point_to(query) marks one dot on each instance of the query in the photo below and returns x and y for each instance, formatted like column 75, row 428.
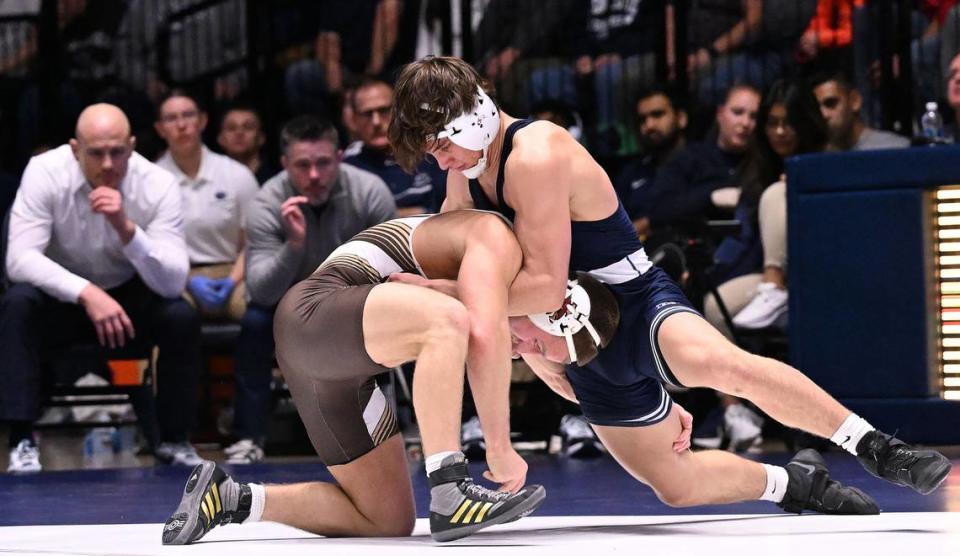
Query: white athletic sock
column 259, row 495
column 850, row 432
column 776, row 483
column 434, row 461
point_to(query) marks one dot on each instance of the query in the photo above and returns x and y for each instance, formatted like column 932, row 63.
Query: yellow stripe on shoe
column 208, row 498
column 473, row 510
column 483, row 512
column 206, row 510
column 463, row 507
column 216, row 496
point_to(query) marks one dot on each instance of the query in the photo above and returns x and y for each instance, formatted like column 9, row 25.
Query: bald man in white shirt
column 96, row 253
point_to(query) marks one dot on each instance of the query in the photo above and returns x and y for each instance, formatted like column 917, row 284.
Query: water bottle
column 931, row 125
column 98, row 443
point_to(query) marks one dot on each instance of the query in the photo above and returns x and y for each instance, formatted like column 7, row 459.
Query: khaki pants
column 739, row 291
column 235, row 306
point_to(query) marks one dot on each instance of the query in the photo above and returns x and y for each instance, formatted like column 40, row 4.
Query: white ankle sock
column 850, row 432
column 433, row 461
column 259, row 495
column 776, row 483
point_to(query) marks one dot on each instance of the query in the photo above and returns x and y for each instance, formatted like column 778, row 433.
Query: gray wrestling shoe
column 459, row 507
column 210, row 498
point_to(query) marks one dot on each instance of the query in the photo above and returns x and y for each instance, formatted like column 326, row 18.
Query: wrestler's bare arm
column 538, row 188
column 458, row 193
column 442, row 285
column 490, row 262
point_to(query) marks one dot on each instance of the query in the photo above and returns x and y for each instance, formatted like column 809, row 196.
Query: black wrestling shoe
column 210, row 498
column 889, row 458
column 810, row 488
column 459, row 507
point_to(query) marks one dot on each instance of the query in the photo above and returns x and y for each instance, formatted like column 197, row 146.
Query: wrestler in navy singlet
column 622, row 386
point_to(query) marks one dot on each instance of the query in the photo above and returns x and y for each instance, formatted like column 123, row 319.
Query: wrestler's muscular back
column 546, row 159
column 439, row 244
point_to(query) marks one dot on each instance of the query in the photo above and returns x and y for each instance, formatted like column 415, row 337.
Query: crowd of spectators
column 172, row 205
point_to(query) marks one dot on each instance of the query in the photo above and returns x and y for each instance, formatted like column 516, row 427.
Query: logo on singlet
column 664, row 304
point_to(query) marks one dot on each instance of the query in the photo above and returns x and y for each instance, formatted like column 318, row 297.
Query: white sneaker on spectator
column 178, row 453
column 472, row 443
column 743, row 428
column 764, row 309
column 579, row 440
column 243, row 451
column 25, row 458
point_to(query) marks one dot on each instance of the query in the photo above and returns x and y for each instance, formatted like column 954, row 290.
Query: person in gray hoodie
column 298, row 218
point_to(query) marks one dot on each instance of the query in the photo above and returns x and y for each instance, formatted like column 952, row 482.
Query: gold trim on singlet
column 392, row 237
column 350, row 262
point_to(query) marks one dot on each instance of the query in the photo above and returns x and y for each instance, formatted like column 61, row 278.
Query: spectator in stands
column 953, row 98
column 159, row 42
column 827, row 41
column 514, row 38
column 96, row 253
column 616, row 53
column 661, row 122
column 419, row 193
column 298, row 218
column 698, row 182
column 840, row 104
column 355, row 38
column 754, row 263
column 925, row 50
column 560, row 113
column 742, row 41
column 242, row 137
column 216, row 192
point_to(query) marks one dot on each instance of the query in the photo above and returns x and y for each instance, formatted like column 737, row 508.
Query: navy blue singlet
column 622, row 385
column 593, row 244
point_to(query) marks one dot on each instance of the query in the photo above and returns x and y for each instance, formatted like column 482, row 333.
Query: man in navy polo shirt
column 414, row 194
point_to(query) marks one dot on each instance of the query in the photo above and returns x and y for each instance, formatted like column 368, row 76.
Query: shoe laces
column 479, row 491
column 897, row 456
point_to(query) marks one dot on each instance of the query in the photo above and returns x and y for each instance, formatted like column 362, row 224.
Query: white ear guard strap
column 573, row 315
column 571, row 349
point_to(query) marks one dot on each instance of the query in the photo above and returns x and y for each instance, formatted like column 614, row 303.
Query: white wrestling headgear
column 474, row 130
column 566, row 321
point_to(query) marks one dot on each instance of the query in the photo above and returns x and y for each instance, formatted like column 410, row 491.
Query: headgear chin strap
column 566, row 321
column 473, row 130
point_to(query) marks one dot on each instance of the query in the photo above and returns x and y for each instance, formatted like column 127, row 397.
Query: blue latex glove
column 204, row 290
column 222, row 289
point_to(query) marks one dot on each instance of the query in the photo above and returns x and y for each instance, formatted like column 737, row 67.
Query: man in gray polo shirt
column 298, row 218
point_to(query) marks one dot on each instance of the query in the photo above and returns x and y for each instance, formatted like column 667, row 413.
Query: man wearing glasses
column 96, row 253
column 419, row 193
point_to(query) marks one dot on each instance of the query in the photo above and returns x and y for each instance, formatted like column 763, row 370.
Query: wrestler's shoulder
column 542, row 143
